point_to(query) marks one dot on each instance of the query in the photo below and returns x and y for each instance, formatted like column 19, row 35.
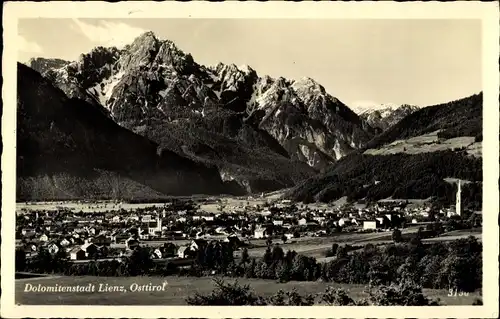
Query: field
column 317, row 246
column 100, row 206
column 177, row 289
column 429, row 143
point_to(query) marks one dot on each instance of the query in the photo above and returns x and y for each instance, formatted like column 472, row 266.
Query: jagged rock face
column 312, row 125
column 386, row 116
column 67, row 149
column 42, row 64
column 153, row 81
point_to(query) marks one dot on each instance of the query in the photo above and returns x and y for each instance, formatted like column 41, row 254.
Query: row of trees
column 456, row 265
column 403, row 294
column 439, row 265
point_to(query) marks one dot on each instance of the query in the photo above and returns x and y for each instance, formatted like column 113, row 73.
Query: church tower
column 458, row 204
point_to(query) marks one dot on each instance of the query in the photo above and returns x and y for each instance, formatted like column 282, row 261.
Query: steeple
column 458, row 204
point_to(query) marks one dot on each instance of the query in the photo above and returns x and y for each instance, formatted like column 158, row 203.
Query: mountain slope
column 67, row 148
column 419, row 176
column 462, row 117
column 384, row 117
column 385, row 169
column 153, row 81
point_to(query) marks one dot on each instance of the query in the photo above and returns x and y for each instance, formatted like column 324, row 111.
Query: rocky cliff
column 155, row 89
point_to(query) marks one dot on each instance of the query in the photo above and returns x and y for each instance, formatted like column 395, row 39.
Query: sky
column 361, row 62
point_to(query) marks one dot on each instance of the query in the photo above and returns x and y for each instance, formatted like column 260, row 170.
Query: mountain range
column 383, row 116
column 239, row 131
column 68, row 149
column 414, row 158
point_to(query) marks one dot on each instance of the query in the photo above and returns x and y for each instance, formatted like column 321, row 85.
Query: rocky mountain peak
column 152, row 79
column 385, row 115
column 42, row 65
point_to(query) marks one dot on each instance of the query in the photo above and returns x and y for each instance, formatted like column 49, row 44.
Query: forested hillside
column 457, row 118
column 399, row 176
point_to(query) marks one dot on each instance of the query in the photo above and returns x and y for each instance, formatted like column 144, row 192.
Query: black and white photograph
column 219, row 161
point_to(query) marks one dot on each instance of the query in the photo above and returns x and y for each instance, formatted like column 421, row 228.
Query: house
column 28, row 232
column 266, row 213
column 77, row 254
column 101, row 240
column 133, row 218
column 64, row 242
column 259, row 233
column 157, row 254
column 147, row 219
column 370, row 224
column 168, row 250
column 342, row 222
column 197, row 244
column 30, row 248
column 44, row 238
column 53, row 248
column 90, row 249
column 380, row 220
column 119, row 237
column 289, row 236
column 116, row 219
column 278, row 222
column 183, row 252
column 319, row 219
column 155, row 227
column 302, row 221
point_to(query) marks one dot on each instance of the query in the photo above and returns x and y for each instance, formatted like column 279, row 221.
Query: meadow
column 179, row 288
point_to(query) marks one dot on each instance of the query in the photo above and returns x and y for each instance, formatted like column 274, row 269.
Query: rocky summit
column 258, row 130
column 383, row 116
column 68, row 149
column 154, row 79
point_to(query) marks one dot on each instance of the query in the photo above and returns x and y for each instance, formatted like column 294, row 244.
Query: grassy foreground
column 178, row 289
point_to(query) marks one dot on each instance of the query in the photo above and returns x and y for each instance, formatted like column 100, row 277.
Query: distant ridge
column 154, row 81
column 67, row 148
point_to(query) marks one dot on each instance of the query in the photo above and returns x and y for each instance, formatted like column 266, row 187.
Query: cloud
column 28, row 46
column 108, row 33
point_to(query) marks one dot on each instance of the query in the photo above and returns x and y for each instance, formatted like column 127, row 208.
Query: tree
column 283, row 271
column 419, row 234
column 268, row 256
column 290, row 298
column 336, row 297
column 333, row 250
column 269, row 241
column 277, row 253
column 20, row 260
column 477, row 302
column 403, row 294
column 245, row 257
column 227, row 294
column 139, row 263
column 396, row 236
column 341, row 252
column 250, row 270
column 283, row 238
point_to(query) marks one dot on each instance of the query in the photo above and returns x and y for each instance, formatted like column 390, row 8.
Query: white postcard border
column 487, row 12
